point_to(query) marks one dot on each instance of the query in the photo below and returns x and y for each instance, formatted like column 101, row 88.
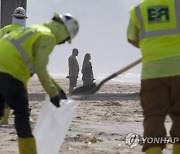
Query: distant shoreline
column 126, row 78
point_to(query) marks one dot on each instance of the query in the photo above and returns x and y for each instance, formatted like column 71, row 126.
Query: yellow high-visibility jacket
column 7, row 29
column 159, row 36
column 26, row 51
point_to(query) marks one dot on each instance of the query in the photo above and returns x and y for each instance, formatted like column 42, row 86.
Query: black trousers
column 14, row 93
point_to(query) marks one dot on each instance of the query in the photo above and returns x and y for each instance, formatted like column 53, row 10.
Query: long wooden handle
column 118, row 73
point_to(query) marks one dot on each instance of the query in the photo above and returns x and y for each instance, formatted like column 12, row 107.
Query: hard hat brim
column 20, row 17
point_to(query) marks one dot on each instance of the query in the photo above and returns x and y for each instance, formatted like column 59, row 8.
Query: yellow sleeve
column 132, row 31
column 42, row 49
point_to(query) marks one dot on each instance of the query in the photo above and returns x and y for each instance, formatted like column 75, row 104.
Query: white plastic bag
column 52, row 125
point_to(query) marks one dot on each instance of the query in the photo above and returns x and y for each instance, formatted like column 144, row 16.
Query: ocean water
column 126, row 77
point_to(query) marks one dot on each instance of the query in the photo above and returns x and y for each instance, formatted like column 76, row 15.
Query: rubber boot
column 154, row 150
column 5, row 118
column 27, row 145
column 176, row 148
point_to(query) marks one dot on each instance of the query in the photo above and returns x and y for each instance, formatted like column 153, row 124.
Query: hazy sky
column 103, row 25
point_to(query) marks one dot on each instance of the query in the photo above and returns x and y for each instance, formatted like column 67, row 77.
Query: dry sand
column 104, row 119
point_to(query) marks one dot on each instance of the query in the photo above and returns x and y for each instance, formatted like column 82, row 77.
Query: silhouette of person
column 73, row 70
column 87, row 72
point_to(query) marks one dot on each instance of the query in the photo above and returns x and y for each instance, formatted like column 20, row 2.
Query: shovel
column 92, row 88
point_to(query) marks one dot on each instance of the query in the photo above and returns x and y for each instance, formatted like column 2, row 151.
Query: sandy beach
column 100, row 124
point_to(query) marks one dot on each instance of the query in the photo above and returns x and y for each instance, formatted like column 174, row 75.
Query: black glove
column 62, row 95
column 56, row 100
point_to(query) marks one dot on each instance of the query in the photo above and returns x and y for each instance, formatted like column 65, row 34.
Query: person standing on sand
column 154, row 28
column 18, row 20
column 73, row 69
column 24, row 52
column 87, row 71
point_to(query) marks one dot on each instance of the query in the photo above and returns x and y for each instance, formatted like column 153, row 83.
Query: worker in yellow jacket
column 24, row 52
column 154, row 27
column 18, row 20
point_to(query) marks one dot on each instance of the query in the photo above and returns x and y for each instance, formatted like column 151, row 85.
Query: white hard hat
column 20, row 13
column 70, row 22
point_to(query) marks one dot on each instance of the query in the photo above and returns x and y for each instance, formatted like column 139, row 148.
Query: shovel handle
column 118, row 72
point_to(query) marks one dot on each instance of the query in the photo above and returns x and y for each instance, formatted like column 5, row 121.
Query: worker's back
column 159, row 36
column 22, row 39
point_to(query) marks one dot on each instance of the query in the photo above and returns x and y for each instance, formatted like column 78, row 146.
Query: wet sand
column 100, row 124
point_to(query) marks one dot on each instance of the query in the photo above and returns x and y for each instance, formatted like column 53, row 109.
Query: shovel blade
column 84, row 90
